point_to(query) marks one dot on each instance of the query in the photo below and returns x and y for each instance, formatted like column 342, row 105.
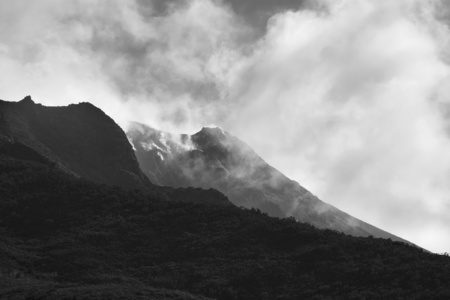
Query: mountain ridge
column 79, row 139
column 213, row 158
column 65, row 236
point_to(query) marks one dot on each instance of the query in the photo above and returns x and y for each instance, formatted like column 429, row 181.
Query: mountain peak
column 65, row 136
column 209, row 136
column 27, row 100
column 222, row 161
column 213, row 130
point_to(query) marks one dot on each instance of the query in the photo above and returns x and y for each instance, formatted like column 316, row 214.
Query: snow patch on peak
column 150, row 146
column 146, row 146
column 176, row 143
column 183, row 142
column 131, row 143
column 163, row 141
column 160, row 155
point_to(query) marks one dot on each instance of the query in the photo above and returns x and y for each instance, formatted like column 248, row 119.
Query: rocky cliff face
column 79, row 139
column 213, row 158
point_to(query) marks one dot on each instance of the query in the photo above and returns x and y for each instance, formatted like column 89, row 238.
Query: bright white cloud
column 346, row 103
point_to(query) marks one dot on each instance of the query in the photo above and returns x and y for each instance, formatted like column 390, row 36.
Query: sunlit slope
column 213, row 158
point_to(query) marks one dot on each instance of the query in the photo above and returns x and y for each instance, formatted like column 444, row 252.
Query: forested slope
column 66, row 238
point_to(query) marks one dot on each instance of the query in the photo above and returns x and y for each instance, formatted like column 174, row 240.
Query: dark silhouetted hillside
column 66, row 236
column 63, row 237
column 79, row 139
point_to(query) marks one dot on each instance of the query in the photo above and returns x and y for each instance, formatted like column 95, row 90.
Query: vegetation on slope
column 67, row 238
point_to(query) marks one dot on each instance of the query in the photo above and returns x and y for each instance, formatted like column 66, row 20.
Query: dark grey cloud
column 258, row 12
column 254, row 12
column 141, row 64
column 171, row 38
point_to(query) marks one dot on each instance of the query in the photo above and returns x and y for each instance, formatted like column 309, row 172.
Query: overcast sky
column 348, row 97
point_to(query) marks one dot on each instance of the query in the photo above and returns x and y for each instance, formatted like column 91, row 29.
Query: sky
column 348, row 97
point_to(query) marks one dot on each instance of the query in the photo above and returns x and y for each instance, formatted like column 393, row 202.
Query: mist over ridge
column 213, row 158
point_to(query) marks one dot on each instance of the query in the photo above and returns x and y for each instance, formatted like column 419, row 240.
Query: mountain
column 67, row 236
column 79, row 139
column 63, row 237
column 213, row 158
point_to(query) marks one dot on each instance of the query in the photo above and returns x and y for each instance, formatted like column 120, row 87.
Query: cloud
column 347, row 102
column 258, row 12
column 178, row 60
column 137, row 59
column 347, row 97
